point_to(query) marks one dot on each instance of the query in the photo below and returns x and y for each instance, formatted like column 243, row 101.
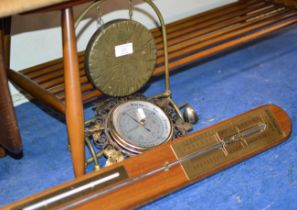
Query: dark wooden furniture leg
column 10, row 138
column 73, row 100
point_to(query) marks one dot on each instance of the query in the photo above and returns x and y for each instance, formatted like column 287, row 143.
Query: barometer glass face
column 120, row 57
column 141, row 124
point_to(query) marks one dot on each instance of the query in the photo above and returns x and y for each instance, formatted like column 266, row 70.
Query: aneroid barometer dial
column 139, row 125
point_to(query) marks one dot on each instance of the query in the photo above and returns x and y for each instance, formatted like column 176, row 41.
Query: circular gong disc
column 120, row 57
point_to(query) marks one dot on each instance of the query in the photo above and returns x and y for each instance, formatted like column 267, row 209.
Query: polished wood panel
column 163, row 182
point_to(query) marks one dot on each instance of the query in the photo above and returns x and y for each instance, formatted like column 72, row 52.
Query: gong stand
column 167, row 92
column 98, row 68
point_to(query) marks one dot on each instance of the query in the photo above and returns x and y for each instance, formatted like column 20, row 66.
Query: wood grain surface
column 10, row 138
column 166, row 181
column 74, row 107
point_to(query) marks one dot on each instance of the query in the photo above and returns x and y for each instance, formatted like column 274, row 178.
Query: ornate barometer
column 119, row 60
column 139, row 125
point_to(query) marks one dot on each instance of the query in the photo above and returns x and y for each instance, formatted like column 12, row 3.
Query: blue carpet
column 259, row 73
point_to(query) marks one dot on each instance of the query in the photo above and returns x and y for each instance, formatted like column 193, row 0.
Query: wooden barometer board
column 169, row 166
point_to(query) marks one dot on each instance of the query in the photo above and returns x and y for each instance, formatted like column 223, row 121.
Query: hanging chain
column 100, row 21
column 131, row 8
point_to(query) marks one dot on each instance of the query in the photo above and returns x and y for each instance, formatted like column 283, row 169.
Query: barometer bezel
column 116, row 138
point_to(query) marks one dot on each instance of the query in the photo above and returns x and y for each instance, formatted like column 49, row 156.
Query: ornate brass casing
column 120, row 57
column 104, row 135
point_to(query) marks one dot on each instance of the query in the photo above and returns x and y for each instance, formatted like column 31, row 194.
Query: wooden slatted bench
column 189, row 39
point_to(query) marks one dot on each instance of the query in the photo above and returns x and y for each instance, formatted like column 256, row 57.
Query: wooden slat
column 36, row 91
column 203, row 16
column 215, row 30
column 210, row 26
column 194, row 45
column 200, row 24
column 287, row 2
column 227, row 45
column 235, row 18
column 45, row 65
column 84, row 88
column 54, row 75
column 51, row 69
column 59, row 80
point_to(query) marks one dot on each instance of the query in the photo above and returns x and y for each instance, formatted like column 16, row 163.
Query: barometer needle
column 139, row 123
column 133, row 118
column 147, row 129
column 133, row 128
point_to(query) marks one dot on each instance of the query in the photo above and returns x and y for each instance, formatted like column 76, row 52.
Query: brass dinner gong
column 120, row 57
column 119, row 60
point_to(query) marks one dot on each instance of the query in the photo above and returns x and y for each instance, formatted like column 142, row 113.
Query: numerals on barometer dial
column 139, row 125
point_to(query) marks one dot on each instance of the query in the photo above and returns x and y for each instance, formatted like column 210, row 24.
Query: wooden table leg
column 74, row 106
column 10, row 138
column 2, row 152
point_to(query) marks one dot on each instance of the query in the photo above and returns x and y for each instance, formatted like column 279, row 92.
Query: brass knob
column 190, row 115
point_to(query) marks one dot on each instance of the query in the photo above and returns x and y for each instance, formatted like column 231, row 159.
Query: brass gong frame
column 166, row 94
